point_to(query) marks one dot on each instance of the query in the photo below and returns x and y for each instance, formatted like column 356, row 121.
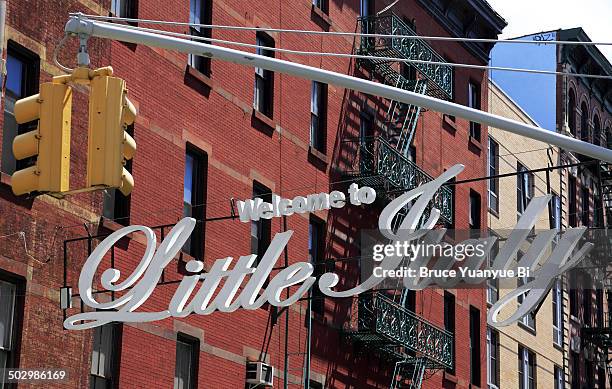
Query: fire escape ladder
column 606, row 191
column 412, row 369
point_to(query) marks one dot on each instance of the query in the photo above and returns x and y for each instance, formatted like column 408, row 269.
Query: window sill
column 320, row 17
column 322, row 157
column 269, row 124
column 494, row 212
column 110, row 225
column 474, row 145
column 199, row 76
column 449, row 124
column 527, row 328
column 450, row 377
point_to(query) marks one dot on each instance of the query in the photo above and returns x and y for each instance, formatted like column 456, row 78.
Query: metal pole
column 308, row 341
column 80, row 25
column 2, row 28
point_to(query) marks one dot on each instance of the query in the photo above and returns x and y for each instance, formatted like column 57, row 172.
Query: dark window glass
column 587, row 315
column 449, row 322
column 475, row 346
column 596, row 131
column 585, row 206
column 200, row 12
column 474, row 102
column 600, row 308
column 493, row 162
column 22, row 79
column 124, row 8
column 194, row 199
column 571, row 112
column 590, row 374
column 584, row 123
column 187, row 360
column 318, row 116
column 493, row 358
column 571, row 194
column 527, row 366
column 264, row 79
column 557, row 308
column 105, row 356
column 525, row 187
column 366, row 7
column 529, row 319
column 559, row 378
column 11, row 307
column 261, row 230
column 316, row 252
column 575, row 373
column 323, row 5
column 474, row 210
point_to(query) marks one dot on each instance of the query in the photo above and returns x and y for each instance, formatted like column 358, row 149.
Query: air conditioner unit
column 259, row 373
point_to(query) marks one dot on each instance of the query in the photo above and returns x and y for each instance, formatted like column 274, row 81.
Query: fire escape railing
column 440, row 77
column 376, row 320
column 378, row 164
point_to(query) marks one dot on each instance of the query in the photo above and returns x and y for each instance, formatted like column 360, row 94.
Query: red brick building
column 207, row 132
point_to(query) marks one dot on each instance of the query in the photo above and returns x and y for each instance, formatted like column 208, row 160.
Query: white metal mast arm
column 84, row 27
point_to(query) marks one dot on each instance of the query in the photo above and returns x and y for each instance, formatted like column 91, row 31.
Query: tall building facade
column 208, row 132
column 536, row 341
column 578, row 107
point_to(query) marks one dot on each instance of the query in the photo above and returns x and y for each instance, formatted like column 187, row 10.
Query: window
column 560, row 379
column 116, row 205
column 11, row 305
column 475, row 346
column 105, row 356
column 575, row 373
column 571, row 194
column 261, row 230
column 596, row 131
column 587, row 315
column 571, row 112
column 449, row 322
column 526, row 366
column 555, row 212
column 557, row 308
column 323, row 5
column 492, row 283
column 366, row 7
column 597, row 211
column 474, row 210
column 366, row 134
column 318, row 113
column 22, row 73
column 573, row 294
column 409, row 296
column 264, row 79
column 187, row 361
column 474, row 102
column 493, row 187
column 316, row 250
column 493, row 358
column 194, row 199
column 600, row 307
column 584, row 122
column 529, row 319
column 524, row 189
column 601, row 377
column 585, row 206
column 200, row 12
column 124, row 8
column 590, row 374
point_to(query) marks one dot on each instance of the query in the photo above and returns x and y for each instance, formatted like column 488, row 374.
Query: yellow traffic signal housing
column 109, row 145
column 50, row 141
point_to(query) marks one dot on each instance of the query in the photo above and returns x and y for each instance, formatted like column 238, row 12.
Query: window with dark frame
column 571, row 198
column 187, row 361
column 263, row 97
column 600, row 307
column 22, row 79
column 200, row 12
column 323, row 5
column 587, row 315
column 601, row 377
column 116, row 205
column 493, row 183
column 529, row 320
column 559, row 378
column 261, row 230
column 527, row 368
column 449, row 322
column 585, row 219
column 493, row 358
column 410, row 300
column 575, row 373
column 589, row 373
column 194, row 199
column 105, row 356
column 584, row 123
column 556, row 212
column 557, row 308
column 474, row 346
column 316, row 252
column 525, row 187
column 124, row 8
column 492, row 283
column 573, row 294
column 474, row 102
column 571, row 112
column 11, row 309
column 366, row 8
column 474, row 210
column 318, row 116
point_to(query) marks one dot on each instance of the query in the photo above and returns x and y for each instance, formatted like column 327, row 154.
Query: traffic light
column 50, row 141
column 109, row 145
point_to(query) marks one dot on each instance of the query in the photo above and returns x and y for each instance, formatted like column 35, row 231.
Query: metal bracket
column 83, row 55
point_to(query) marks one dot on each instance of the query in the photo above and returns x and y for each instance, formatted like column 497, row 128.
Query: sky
column 530, row 16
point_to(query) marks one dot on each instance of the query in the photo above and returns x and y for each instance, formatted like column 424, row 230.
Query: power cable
column 361, row 56
column 339, row 33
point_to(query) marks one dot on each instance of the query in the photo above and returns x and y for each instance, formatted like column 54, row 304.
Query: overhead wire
column 340, row 33
column 362, row 56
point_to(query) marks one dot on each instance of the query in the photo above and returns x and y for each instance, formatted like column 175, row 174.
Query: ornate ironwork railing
column 441, row 76
column 378, row 164
column 378, row 321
